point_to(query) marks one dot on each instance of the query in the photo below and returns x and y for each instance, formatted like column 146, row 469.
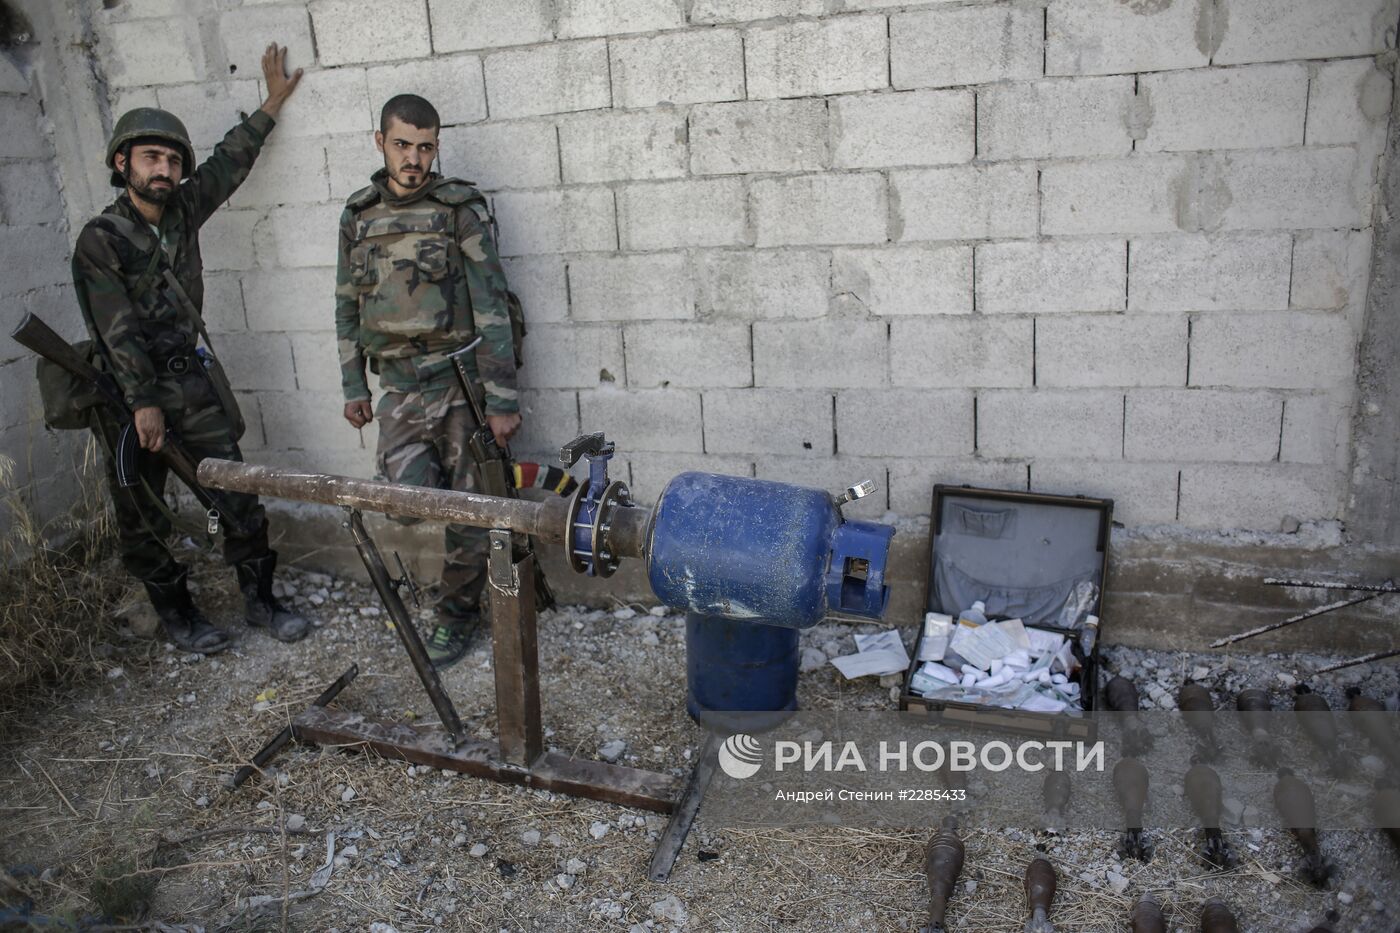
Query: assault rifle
column 34, row 334
column 496, row 466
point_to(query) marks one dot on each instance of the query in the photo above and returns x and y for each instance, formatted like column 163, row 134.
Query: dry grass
column 57, row 585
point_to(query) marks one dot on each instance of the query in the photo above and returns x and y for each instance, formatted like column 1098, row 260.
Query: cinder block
column 560, row 221
column 489, row 23
column 1258, row 498
column 689, row 355
column 965, row 45
column 58, row 306
column 651, row 472
column 519, row 154
column 906, row 280
column 666, row 420
column 351, row 160
column 1087, row 37
column 288, row 171
column 758, row 136
column 19, row 130
column 124, row 99
column 549, row 420
column 19, row 395
column 287, row 236
column 904, row 423
column 258, row 361
column 1135, row 195
column 756, row 284
column 818, row 209
column 1142, row 493
column 223, row 303
column 1281, row 30
column 613, row 17
column 1051, row 275
column 1209, row 273
column 1111, row 350
column 1348, row 102
column 1225, row 108
column 139, row 53
column 833, row 353
column 1316, row 429
column 912, row 481
column 308, row 421
column 541, row 285
column 1077, row 424
column 1056, row 118
column 797, row 422
column 453, row 84
column 1291, row 189
column 964, row 202
column 570, row 356
column 1331, row 269
column 29, row 193
column 813, row 57
column 555, row 78
column 226, row 239
column 1202, row 425
column 329, row 102
column 903, row 128
column 702, row 212
column 210, row 110
column 246, row 33
column 678, row 68
column 1281, row 350
column 834, row 475
column 348, row 32
column 957, row 351
column 290, row 299
column 653, row 286
column 317, row 361
column 253, row 436
column 623, row 146
column 738, row 11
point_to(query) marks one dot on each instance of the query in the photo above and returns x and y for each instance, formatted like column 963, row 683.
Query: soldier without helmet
column 419, row 277
column 139, row 280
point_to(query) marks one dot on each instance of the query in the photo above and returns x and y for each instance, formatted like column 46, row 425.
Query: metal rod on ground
column 1364, row 659
column 1311, row 613
column 403, row 624
column 265, row 753
column 1387, row 587
column 668, row 848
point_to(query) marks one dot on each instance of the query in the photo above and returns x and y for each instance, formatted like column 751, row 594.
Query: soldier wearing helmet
column 139, row 280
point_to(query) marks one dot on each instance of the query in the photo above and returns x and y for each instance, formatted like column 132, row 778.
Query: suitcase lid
column 1022, row 553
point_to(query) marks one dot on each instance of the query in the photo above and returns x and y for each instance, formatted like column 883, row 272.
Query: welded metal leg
column 403, row 624
column 668, row 848
column 516, row 650
column 274, row 746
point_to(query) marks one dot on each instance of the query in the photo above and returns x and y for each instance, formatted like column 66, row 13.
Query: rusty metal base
column 597, row 780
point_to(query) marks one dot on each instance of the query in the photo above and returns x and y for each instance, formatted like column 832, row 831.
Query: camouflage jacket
column 140, row 330
column 417, row 278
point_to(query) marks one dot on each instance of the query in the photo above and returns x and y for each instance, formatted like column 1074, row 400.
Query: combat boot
column 260, row 608
column 454, row 633
column 185, row 626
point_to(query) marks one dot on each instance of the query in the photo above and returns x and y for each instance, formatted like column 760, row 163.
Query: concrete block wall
column 1079, row 246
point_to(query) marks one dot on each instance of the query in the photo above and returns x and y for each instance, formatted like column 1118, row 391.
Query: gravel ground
column 119, row 783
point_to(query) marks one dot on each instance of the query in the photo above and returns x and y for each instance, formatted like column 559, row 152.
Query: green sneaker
column 449, row 642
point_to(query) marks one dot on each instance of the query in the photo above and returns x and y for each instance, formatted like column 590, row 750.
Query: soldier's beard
column 412, row 180
column 143, row 187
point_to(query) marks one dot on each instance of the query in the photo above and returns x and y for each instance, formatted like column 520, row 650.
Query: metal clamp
column 586, row 521
column 858, row 491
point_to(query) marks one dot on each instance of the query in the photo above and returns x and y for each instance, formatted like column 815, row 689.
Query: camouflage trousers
column 143, row 526
column 423, row 442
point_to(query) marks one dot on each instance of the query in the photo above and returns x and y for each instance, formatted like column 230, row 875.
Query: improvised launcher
column 35, row 335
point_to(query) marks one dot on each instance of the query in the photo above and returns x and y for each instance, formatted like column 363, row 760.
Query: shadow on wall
column 14, row 28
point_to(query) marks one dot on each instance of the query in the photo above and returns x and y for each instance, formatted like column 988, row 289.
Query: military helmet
column 148, row 123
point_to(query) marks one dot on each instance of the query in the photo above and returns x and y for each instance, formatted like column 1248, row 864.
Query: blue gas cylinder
column 751, row 562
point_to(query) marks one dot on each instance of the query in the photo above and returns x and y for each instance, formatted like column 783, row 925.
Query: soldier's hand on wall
column 504, row 427
column 359, row 413
column 279, row 85
column 150, row 427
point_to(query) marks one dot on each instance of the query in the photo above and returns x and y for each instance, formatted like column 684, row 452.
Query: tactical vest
column 407, row 265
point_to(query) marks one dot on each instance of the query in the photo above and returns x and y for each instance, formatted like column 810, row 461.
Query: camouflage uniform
column 149, row 343
column 419, row 277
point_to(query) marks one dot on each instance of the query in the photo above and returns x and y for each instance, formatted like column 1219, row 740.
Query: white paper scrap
column 865, row 663
column 1043, row 642
column 1016, row 631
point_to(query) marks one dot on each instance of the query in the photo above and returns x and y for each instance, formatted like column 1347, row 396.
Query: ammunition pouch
column 68, row 400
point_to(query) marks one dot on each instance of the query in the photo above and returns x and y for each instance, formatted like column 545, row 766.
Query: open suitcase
column 1022, row 554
